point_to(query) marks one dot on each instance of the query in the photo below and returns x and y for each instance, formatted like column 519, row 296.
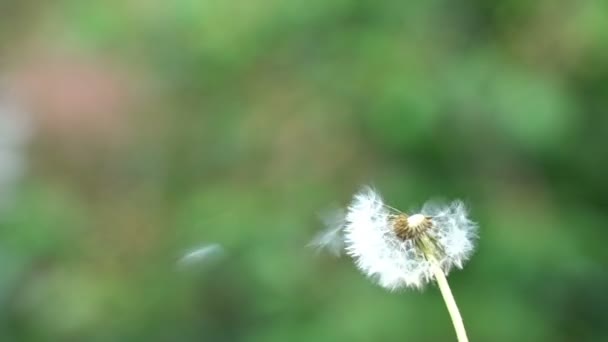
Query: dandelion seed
column 397, row 250
column 200, row 254
column 332, row 238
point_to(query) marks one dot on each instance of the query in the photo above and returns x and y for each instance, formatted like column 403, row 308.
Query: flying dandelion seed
column 397, row 250
column 201, row 255
column 332, row 238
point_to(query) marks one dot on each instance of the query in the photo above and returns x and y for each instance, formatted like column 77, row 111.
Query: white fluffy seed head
column 454, row 231
column 369, row 237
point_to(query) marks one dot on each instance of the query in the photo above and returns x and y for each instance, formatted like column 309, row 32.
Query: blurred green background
column 133, row 131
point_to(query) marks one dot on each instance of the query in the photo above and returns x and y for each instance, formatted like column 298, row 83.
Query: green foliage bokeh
column 265, row 114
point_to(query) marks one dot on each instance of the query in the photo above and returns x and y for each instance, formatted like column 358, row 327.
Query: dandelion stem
column 450, row 303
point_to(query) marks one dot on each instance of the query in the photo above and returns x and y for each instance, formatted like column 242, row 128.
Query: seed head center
column 416, row 220
column 410, row 227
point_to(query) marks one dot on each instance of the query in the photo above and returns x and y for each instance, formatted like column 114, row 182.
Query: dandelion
column 397, row 250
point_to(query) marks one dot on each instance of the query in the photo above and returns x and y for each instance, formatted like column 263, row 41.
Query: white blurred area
column 200, row 255
column 15, row 133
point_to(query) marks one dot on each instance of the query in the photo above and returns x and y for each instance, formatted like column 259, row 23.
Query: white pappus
column 200, row 255
column 396, row 249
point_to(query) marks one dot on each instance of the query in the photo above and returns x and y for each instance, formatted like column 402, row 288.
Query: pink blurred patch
column 77, row 97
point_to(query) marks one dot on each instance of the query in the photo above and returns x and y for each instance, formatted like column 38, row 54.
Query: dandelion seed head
column 395, row 249
column 455, row 232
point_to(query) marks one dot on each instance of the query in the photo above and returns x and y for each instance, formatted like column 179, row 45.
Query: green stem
column 450, row 303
